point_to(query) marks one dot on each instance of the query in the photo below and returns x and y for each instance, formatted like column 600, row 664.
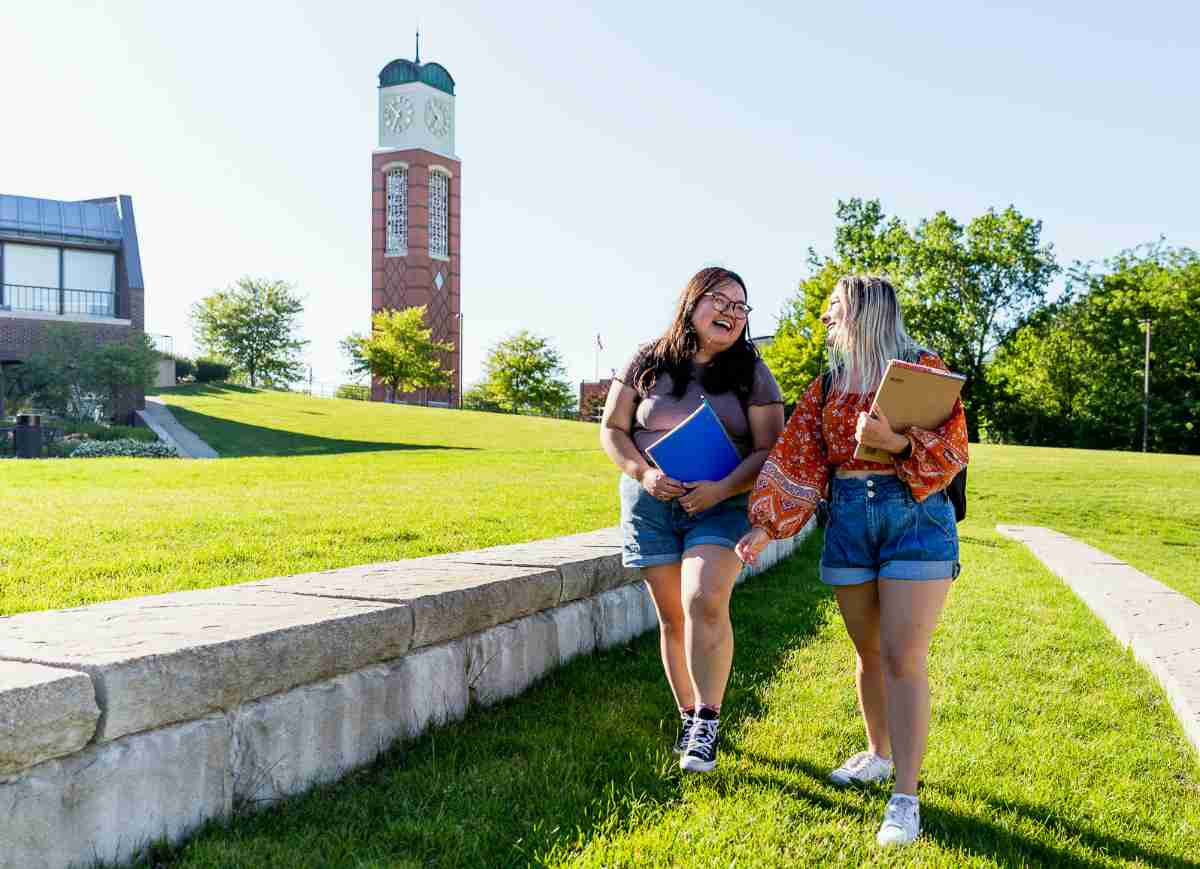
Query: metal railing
column 53, row 300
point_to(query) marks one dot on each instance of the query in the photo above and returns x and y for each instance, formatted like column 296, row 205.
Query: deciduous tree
column 524, row 373
column 253, row 324
column 400, row 352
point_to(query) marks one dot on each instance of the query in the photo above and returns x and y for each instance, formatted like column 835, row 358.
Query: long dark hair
column 731, row 370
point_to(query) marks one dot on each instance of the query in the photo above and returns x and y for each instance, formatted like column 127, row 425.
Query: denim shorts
column 878, row 531
column 658, row 532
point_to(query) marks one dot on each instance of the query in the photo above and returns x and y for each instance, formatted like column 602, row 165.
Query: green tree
column 117, row 367
column 1074, row 375
column 72, row 376
column 253, row 325
column 797, row 353
column 963, row 287
column 400, row 352
column 477, row 397
column 524, row 374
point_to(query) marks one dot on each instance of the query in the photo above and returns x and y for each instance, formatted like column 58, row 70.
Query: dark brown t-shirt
column 658, row 411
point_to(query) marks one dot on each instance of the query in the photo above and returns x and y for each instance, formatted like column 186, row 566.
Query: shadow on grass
column 971, row 833
column 587, row 750
column 232, row 439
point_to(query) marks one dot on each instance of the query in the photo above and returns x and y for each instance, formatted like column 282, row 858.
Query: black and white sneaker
column 686, row 719
column 701, row 754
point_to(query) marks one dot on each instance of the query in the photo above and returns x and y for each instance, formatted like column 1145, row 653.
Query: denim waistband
column 877, row 487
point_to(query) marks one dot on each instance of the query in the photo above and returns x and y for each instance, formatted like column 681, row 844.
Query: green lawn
column 1144, row 509
column 1049, row 746
column 318, row 483
column 78, row 531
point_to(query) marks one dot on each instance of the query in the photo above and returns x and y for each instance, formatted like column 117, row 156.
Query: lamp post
column 1146, row 393
column 460, row 359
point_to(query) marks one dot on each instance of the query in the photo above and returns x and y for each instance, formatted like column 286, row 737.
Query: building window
column 59, row 281
column 89, row 283
column 397, row 211
column 439, row 214
column 31, row 277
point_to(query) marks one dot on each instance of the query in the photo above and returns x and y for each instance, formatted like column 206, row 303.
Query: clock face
column 398, row 114
column 437, row 117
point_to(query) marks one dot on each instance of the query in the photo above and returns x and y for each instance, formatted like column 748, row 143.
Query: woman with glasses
column 891, row 545
column 682, row 533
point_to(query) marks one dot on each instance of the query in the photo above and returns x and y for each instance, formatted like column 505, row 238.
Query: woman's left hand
column 702, row 495
column 876, row 432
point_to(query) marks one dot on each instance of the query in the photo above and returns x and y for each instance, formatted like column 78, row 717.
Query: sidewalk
column 1161, row 625
column 159, row 418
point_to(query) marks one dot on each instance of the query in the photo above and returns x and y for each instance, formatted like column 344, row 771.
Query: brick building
column 593, row 392
column 69, row 262
column 415, row 194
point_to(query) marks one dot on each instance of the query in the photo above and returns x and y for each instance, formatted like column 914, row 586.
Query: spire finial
column 418, row 60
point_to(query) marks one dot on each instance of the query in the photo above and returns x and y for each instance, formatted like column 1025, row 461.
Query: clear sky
column 608, row 150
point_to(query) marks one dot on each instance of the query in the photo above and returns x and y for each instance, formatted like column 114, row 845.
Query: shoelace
column 704, row 734
column 901, row 813
column 859, row 762
column 685, row 729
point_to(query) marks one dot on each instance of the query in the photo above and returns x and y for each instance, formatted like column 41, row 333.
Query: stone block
column 174, row 657
column 589, row 563
column 316, row 733
column 1159, row 624
column 44, row 713
column 449, row 597
column 505, row 660
column 577, row 625
column 110, row 800
column 625, row 613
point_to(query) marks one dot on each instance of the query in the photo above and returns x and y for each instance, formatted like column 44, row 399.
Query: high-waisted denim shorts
column 658, row 532
column 877, row 530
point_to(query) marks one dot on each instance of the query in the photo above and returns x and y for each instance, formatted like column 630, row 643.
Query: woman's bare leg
column 908, row 613
column 666, row 590
column 860, row 611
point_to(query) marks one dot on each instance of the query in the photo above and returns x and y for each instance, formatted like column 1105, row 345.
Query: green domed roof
column 402, row 71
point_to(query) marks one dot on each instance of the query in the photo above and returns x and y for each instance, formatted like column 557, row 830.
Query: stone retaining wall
column 127, row 721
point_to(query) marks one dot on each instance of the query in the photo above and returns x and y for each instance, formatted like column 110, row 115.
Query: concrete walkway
column 1162, row 626
column 159, row 418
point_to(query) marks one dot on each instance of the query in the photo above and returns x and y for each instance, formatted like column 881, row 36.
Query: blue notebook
column 697, row 449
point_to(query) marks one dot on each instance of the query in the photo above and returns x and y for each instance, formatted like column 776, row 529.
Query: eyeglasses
column 723, row 305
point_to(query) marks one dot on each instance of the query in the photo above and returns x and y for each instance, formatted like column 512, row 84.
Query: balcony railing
column 52, row 300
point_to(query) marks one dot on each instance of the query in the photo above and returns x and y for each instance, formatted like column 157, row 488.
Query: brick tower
column 415, row 178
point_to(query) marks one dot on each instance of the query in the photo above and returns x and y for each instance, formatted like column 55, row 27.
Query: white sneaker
column 864, row 768
column 901, row 821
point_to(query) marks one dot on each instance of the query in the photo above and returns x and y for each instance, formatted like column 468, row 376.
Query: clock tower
column 415, row 186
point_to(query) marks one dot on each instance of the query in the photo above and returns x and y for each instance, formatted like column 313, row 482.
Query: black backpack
column 956, row 491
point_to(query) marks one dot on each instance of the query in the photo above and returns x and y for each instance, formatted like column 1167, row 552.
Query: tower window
column 439, row 214
column 397, row 211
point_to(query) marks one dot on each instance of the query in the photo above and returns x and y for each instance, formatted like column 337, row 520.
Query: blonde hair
column 871, row 334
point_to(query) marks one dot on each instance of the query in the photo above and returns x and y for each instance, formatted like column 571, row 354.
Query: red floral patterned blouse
column 796, row 474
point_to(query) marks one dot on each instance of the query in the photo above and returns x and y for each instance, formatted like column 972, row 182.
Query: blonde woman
column 891, row 546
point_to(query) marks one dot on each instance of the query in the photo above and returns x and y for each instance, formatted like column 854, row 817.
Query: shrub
column 127, row 432
column 211, row 371
column 184, row 368
column 59, row 449
column 73, row 377
column 355, row 391
column 100, row 432
column 126, row 447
